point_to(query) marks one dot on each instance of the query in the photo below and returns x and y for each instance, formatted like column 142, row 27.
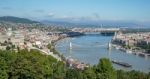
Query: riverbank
column 134, row 43
column 130, row 51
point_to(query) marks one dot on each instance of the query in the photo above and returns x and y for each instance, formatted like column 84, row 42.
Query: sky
column 128, row 10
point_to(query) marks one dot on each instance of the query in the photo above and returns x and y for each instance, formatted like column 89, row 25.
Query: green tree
column 3, row 69
column 59, row 70
column 105, row 69
column 8, row 47
column 13, row 46
column 73, row 74
column 49, row 46
column 122, row 75
column 89, row 73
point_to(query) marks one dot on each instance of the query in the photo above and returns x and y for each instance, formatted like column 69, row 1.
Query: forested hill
column 32, row 64
column 16, row 20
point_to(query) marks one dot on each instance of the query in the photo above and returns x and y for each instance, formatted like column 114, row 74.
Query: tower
column 70, row 45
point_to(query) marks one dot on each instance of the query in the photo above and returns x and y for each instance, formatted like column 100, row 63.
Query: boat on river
column 128, row 51
column 121, row 63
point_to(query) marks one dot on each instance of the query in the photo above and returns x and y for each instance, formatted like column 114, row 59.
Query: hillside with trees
column 16, row 20
column 34, row 65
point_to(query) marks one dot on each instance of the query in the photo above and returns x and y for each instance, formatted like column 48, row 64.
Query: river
column 90, row 48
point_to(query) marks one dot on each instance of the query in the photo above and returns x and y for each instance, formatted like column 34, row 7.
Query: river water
column 90, row 48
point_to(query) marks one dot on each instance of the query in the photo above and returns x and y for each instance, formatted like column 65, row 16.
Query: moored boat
column 128, row 51
column 121, row 63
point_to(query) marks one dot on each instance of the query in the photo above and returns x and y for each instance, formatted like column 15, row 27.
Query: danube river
column 90, row 48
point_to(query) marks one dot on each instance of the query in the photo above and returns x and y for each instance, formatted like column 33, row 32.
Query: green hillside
column 16, row 20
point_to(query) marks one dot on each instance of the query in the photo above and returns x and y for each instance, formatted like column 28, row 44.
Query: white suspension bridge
column 74, row 45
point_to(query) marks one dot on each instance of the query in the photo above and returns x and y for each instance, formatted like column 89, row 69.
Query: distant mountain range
column 16, row 20
column 83, row 23
column 88, row 23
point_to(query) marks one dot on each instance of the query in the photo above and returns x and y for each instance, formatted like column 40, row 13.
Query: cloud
column 51, row 14
column 92, row 17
